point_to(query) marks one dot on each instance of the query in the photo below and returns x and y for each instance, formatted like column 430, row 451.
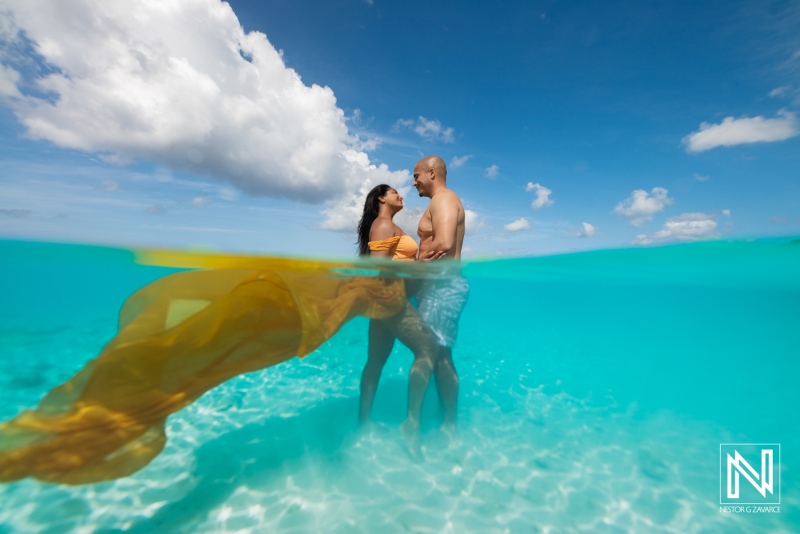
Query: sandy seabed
column 280, row 451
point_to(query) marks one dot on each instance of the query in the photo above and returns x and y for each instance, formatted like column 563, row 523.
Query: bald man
column 441, row 300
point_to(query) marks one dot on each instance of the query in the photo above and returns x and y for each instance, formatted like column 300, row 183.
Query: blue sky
column 258, row 126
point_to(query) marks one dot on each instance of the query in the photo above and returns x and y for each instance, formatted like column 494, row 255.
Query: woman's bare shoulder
column 381, row 229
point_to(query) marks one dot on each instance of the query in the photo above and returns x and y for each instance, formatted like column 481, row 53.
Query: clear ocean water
column 596, row 389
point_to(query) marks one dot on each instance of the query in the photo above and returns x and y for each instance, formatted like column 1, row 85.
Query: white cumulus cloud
column 683, row 228
column 492, row 172
column 641, row 205
column 181, row 83
column 472, row 222
column 428, row 129
column 459, row 161
column 542, row 195
column 701, row 178
column 516, row 226
column 780, row 91
column 732, row 132
column 407, row 219
column 343, row 214
column 587, row 230
column 8, row 82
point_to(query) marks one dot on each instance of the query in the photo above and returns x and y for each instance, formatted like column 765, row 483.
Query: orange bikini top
column 402, row 247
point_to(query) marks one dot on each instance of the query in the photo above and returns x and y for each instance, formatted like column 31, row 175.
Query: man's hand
column 432, row 255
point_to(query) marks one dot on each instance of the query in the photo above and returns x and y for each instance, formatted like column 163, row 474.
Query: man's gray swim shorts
column 441, row 302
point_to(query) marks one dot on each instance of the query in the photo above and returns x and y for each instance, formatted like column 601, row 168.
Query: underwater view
column 597, row 389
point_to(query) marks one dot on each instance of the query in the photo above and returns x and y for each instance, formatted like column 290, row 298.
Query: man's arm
column 444, row 220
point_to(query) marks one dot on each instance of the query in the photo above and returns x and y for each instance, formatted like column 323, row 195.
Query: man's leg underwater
column 414, row 333
column 441, row 304
column 447, row 384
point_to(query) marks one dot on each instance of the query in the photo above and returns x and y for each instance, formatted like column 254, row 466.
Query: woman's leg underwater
column 381, row 341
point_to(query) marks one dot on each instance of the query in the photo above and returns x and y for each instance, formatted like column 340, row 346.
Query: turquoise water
column 596, row 389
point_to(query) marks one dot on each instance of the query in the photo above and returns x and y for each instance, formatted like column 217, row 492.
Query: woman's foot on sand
column 449, row 429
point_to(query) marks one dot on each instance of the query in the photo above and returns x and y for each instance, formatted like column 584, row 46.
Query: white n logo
column 738, row 465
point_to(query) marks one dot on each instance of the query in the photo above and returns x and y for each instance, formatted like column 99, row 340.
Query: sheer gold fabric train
column 179, row 337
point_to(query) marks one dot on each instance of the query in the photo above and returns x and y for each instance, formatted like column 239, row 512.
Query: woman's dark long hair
column 371, row 208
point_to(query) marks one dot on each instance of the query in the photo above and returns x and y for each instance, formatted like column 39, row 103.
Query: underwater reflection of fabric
column 179, row 337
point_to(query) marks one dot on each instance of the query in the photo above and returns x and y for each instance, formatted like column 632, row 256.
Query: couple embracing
column 429, row 331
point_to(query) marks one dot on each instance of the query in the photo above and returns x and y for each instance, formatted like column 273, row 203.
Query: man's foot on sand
column 410, row 430
column 449, row 429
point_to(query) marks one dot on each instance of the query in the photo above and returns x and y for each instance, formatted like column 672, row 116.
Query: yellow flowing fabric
column 179, row 337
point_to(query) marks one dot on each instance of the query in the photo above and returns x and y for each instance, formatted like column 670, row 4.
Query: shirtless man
column 441, row 301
